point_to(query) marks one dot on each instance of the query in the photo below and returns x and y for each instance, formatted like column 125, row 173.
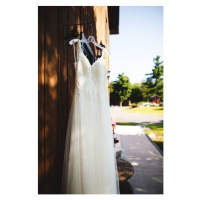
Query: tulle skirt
column 89, row 159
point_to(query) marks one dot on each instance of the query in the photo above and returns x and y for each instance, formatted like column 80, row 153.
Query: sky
column 140, row 39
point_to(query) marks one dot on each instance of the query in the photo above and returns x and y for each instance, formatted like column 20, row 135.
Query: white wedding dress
column 89, row 159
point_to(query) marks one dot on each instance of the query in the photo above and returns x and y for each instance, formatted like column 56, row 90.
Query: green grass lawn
column 145, row 110
column 157, row 130
column 128, row 123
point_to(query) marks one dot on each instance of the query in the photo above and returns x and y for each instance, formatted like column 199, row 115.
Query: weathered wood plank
column 51, row 81
column 62, row 92
column 41, row 40
column 73, row 18
column 91, row 30
column 84, row 19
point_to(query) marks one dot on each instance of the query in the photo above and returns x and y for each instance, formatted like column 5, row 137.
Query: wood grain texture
column 125, row 169
column 41, row 148
column 62, row 92
column 51, row 95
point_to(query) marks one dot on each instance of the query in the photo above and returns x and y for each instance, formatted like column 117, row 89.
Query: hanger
column 90, row 39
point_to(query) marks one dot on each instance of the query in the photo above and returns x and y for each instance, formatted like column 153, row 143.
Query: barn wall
column 56, row 83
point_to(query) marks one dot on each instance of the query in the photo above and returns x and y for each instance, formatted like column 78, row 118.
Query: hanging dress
column 89, row 159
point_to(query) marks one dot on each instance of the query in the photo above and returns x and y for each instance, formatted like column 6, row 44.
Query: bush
column 141, row 102
column 134, row 105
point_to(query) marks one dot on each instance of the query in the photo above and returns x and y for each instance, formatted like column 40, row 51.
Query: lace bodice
column 90, row 79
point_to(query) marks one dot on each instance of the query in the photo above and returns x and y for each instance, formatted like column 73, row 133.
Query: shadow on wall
column 55, row 88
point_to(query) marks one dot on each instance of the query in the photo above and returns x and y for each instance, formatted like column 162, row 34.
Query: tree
column 136, row 93
column 111, row 87
column 144, row 90
column 154, row 82
column 121, row 88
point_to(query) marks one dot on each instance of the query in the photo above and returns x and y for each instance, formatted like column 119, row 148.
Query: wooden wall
column 56, row 83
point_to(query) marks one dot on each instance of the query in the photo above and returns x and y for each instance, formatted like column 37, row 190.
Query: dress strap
column 74, row 52
column 78, row 50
